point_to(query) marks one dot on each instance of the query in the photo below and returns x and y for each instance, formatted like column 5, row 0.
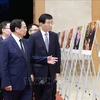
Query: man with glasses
column 5, row 32
column 32, row 28
column 5, row 29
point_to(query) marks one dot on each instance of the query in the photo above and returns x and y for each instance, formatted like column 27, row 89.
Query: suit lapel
column 50, row 41
column 1, row 38
column 25, row 47
column 16, row 45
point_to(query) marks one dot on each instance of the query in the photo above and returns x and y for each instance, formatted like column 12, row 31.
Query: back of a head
column 43, row 18
column 15, row 23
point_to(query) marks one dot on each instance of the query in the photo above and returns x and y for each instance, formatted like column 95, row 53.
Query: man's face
column 47, row 26
column 6, row 30
column 33, row 29
column 22, row 31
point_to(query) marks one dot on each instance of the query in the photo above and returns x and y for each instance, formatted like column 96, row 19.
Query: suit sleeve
column 35, row 59
column 4, row 69
column 39, row 60
column 58, row 54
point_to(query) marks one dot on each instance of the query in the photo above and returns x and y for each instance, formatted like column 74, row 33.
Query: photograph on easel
column 62, row 39
column 59, row 37
column 69, row 38
column 77, row 38
column 89, row 36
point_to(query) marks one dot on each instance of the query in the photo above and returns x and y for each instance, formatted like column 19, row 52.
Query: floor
column 78, row 80
column 58, row 97
column 69, row 89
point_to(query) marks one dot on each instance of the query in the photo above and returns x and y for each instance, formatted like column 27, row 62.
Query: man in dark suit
column 32, row 28
column 5, row 32
column 45, row 43
column 77, row 39
column 15, row 67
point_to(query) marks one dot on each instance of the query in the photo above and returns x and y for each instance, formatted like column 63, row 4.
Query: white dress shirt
column 16, row 39
column 43, row 35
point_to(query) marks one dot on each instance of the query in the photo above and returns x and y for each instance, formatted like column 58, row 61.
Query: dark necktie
column 46, row 41
column 22, row 48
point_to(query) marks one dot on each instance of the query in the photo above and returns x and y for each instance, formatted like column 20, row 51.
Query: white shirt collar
column 16, row 39
column 43, row 34
column 3, row 37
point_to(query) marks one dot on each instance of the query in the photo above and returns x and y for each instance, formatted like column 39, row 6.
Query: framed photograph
column 89, row 36
column 77, row 38
column 62, row 39
column 68, row 43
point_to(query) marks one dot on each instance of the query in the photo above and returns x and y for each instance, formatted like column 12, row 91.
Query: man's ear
column 40, row 24
column 3, row 30
column 16, row 29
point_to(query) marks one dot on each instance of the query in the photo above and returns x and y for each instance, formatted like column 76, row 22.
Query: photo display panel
column 69, row 38
column 89, row 36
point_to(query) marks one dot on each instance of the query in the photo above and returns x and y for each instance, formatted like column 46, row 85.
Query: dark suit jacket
column 1, row 38
column 14, row 67
column 37, row 47
column 1, row 49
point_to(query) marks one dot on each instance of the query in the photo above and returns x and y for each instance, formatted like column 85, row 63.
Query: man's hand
column 8, row 88
column 52, row 60
column 32, row 78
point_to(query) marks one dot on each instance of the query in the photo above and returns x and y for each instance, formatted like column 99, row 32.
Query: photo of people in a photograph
column 69, row 38
column 62, row 38
column 77, row 38
column 89, row 36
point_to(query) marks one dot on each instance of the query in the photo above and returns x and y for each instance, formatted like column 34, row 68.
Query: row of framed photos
column 80, row 38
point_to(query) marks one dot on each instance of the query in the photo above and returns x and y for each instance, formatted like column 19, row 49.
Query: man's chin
column 25, row 34
column 50, row 29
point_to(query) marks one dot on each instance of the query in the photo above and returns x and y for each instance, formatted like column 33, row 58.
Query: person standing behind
column 45, row 43
column 32, row 28
column 15, row 64
column 5, row 29
column 5, row 32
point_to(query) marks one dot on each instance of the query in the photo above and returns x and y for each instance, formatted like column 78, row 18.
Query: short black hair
column 3, row 25
column 30, row 26
column 15, row 23
column 43, row 18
